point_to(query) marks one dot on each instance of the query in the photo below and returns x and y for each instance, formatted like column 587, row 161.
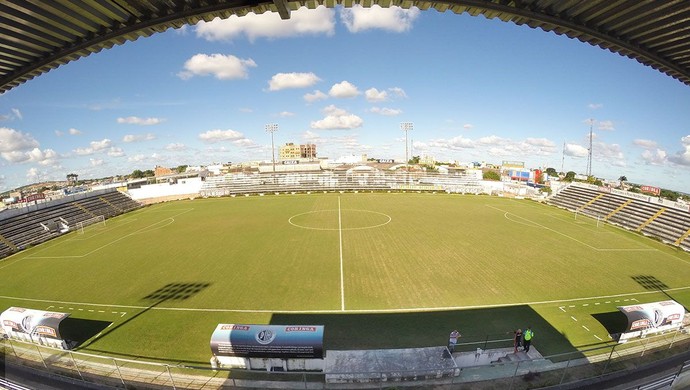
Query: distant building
column 290, row 151
column 308, row 151
column 162, row 171
column 72, row 179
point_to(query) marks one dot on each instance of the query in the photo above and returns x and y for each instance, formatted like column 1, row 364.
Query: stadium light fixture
column 272, row 128
column 406, row 126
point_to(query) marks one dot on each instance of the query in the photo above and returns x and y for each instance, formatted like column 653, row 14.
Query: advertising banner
column 268, row 341
column 652, row 190
column 652, row 318
column 32, row 322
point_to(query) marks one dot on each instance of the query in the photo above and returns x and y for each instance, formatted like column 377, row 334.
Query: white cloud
column 455, row 143
column 47, row 157
column 243, row 142
column 286, row 114
column 94, row 146
column 96, row 162
column 575, row 150
column 220, row 135
column 137, row 158
column 32, row 174
column 175, row 147
column 595, row 106
column 385, row 111
column 398, row 92
column 491, row 140
column 319, row 21
column 468, row 126
column 337, row 118
column 115, row 152
column 59, row 133
column 12, row 140
column 18, row 147
column 393, row 19
column 315, row 96
column 222, row 67
column 292, row 80
column 645, row 143
column 310, row 136
column 606, row 125
column 654, row 157
column 134, row 120
column 343, row 89
column 246, row 110
column 607, row 152
column 73, row 131
column 14, row 114
column 541, row 142
column 138, row 137
column 374, row 95
column 682, row 157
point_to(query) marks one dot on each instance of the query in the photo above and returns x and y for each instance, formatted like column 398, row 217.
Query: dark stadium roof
column 37, row 36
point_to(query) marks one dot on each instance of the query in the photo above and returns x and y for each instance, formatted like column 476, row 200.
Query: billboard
column 268, row 341
column 652, row 190
column 513, row 164
column 653, row 317
column 32, row 322
column 518, row 175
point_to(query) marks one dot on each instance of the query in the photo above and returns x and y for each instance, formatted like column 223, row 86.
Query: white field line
column 342, row 277
column 570, row 237
column 409, row 310
column 107, row 229
column 329, row 229
column 145, row 228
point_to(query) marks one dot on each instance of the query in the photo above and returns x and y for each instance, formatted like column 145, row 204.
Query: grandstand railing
column 567, row 368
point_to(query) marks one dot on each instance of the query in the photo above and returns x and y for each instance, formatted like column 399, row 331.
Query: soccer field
column 378, row 270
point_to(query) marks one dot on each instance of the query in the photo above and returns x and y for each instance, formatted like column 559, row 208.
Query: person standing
column 527, row 337
column 453, row 340
column 517, row 341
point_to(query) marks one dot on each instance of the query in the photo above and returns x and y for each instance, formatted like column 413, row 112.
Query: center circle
column 344, row 219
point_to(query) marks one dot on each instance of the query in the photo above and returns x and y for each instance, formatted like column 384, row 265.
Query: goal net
column 95, row 221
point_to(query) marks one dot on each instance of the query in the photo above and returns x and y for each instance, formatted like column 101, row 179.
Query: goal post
column 98, row 221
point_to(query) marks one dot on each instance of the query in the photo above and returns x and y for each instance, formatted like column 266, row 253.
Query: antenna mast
column 589, row 157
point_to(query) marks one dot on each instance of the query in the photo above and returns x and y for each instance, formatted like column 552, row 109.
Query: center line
column 342, row 283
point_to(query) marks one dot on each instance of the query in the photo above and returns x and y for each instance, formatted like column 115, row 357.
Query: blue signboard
column 268, row 341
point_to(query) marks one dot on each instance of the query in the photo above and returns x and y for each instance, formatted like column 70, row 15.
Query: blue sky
column 344, row 79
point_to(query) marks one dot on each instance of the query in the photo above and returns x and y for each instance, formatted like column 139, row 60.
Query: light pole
column 406, row 126
column 272, row 128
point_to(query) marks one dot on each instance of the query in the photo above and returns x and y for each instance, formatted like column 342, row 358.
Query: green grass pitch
column 378, row 270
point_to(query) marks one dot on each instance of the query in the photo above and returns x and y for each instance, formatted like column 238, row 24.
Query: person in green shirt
column 527, row 337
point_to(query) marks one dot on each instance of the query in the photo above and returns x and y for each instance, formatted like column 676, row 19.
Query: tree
column 137, row 174
column 491, row 175
column 149, row 173
column 182, row 168
column 551, row 172
column 622, row 179
column 414, row 160
column 570, row 176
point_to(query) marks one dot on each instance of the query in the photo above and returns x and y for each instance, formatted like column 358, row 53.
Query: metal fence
column 524, row 374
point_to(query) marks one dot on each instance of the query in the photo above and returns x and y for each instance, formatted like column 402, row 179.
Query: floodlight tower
column 406, row 126
column 272, row 128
